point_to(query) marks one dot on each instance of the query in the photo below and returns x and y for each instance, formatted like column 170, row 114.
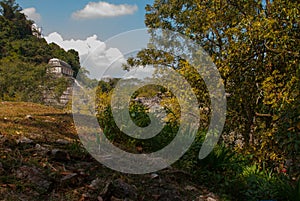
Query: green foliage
column 24, row 58
column 138, row 114
column 220, row 159
column 13, row 23
column 17, row 40
column 21, row 81
column 288, row 190
column 257, row 184
column 234, row 175
column 255, row 46
column 83, row 78
column 59, row 85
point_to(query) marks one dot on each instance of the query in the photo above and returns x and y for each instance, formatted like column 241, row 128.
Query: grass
column 28, row 171
column 42, row 122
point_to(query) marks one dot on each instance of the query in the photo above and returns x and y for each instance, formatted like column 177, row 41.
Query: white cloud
column 94, row 55
column 82, row 46
column 32, row 14
column 95, row 10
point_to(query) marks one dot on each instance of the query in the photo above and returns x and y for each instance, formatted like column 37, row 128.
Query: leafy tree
column 21, row 81
column 9, row 9
column 13, row 22
column 24, row 58
column 255, row 45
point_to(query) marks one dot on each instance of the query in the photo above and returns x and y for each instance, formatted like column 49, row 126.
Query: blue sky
column 56, row 16
column 86, row 26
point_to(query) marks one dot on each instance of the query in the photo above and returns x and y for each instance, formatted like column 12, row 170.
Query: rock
column 156, row 197
column 154, row 175
column 190, row 188
column 120, row 190
column 59, row 155
column 123, row 190
column 95, row 183
column 62, row 142
column 40, row 147
column 99, row 198
column 69, row 176
column 200, row 198
column 208, row 197
column 169, row 195
column 2, row 139
column 29, row 117
column 69, row 179
column 115, row 199
column 1, row 169
column 84, row 196
column 24, row 140
column 33, row 175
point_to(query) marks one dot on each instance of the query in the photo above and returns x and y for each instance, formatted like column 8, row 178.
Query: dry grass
column 28, row 172
column 36, row 122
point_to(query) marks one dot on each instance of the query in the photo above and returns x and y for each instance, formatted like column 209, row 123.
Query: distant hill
column 24, row 56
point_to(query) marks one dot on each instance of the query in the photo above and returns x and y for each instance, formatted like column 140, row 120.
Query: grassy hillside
column 41, row 158
column 34, row 121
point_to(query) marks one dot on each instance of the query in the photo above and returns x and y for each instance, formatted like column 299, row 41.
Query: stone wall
column 63, row 100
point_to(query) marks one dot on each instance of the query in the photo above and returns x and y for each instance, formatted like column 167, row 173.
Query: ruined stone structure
column 59, row 69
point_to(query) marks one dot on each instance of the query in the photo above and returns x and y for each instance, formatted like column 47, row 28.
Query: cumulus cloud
column 32, row 14
column 95, row 10
column 83, row 47
column 94, row 55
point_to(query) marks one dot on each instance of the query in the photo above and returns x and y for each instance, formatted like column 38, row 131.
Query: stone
column 120, row 190
column 154, row 175
column 69, row 179
column 28, row 117
column 60, row 155
column 99, row 198
column 1, row 169
column 115, row 199
column 40, row 147
column 24, row 140
column 123, row 189
column 62, row 142
column 34, row 176
column 190, row 188
column 95, row 183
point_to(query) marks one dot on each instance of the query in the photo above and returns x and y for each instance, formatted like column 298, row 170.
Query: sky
column 79, row 19
column 85, row 25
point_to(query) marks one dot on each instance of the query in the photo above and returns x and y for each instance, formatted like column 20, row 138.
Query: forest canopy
column 24, row 56
column 255, row 46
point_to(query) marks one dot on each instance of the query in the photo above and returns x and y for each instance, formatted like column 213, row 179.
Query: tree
column 24, row 58
column 255, row 45
column 9, row 9
column 20, row 81
column 13, row 20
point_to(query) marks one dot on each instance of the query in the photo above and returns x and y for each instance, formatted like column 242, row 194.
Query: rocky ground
column 41, row 158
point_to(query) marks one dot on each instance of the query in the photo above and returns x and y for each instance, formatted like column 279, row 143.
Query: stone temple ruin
column 60, row 68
